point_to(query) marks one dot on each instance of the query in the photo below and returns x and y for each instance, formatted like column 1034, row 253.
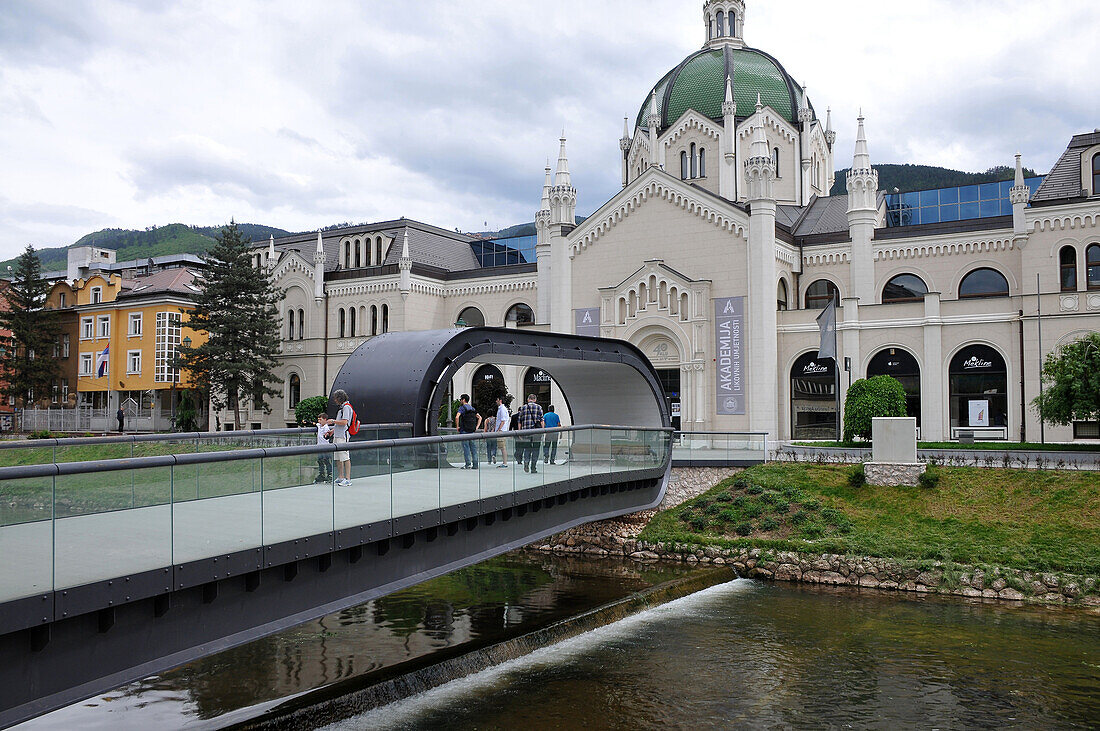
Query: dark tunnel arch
column 396, row 377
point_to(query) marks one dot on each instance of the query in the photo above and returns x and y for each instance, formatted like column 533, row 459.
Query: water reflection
column 472, row 607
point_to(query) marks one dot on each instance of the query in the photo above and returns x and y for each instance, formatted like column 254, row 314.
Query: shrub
column 857, row 478
column 755, row 489
column 723, row 497
column 868, row 398
column 744, row 529
column 800, row 517
column 698, row 523
column 713, row 509
column 41, row 434
column 930, row 478
column 305, row 413
column 769, row 524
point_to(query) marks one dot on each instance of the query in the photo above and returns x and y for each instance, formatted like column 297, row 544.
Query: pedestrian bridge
column 115, row 569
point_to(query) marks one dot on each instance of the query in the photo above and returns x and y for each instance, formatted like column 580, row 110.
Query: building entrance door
column 670, row 384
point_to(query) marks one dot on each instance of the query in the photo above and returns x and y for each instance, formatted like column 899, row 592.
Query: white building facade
column 719, row 253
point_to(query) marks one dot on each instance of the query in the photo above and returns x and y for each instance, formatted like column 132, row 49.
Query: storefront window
column 537, row 381
column 813, row 398
column 978, row 379
column 899, row 364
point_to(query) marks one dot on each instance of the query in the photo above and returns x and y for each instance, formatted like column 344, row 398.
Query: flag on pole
column 826, row 323
column 101, row 362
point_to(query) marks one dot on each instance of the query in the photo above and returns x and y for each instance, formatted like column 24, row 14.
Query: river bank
column 1023, row 533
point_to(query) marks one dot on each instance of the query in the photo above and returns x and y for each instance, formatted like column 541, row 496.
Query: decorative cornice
column 1065, row 221
column 780, row 125
column 786, row 255
column 922, row 250
column 827, row 255
column 654, row 184
column 690, row 120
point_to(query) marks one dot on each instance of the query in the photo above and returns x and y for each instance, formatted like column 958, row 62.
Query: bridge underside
column 43, row 668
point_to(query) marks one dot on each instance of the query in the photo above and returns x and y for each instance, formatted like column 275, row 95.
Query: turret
column 830, row 140
column 542, row 251
column 624, row 145
column 271, row 261
column 862, row 216
column 563, row 219
column 563, row 196
column 727, row 182
column 404, row 266
column 654, row 123
column 319, row 270
column 1019, row 194
column 805, row 120
column 725, row 22
column 760, row 168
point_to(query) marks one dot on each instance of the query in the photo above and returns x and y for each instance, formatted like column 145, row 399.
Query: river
column 740, row 654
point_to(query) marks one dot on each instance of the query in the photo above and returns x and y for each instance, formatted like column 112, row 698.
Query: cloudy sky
column 129, row 113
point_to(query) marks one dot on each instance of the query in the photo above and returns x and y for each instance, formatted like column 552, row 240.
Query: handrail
column 724, row 433
column 169, row 437
column 168, row 460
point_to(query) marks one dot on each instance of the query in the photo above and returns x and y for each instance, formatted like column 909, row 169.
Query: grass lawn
column 1009, row 446
column 1027, row 519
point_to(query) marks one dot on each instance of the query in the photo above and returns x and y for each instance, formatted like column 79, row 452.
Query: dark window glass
column 471, row 317
column 813, row 398
column 385, row 318
column 694, row 162
column 702, row 162
column 343, row 322
column 733, row 24
column 820, row 293
column 900, row 364
column 775, row 160
column 520, row 314
column 295, row 390
column 374, row 319
column 1096, row 174
column 537, row 381
column 290, row 335
column 301, row 324
column 978, row 382
column 983, row 283
column 1086, row 430
column 721, row 23
column 904, row 288
column 351, row 322
column 1067, row 269
column 1092, row 266
column 685, row 171
column 781, row 295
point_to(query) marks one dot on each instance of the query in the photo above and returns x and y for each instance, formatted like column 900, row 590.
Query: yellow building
column 128, row 332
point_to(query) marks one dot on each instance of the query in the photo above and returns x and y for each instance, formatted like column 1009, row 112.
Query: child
column 324, row 461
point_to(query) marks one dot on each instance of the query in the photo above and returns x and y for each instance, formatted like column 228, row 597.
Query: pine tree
column 28, row 365
column 238, row 309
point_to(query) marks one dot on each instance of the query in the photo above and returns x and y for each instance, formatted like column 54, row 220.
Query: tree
column 1071, row 383
column 868, row 398
column 28, row 365
column 238, row 309
column 305, row 413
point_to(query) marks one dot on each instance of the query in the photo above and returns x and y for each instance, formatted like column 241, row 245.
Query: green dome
column 699, row 83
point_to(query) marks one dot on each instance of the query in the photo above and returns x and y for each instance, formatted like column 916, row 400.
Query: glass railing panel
column 111, row 524
column 28, row 455
column 530, row 472
column 367, row 499
column 293, row 504
column 26, row 537
column 415, row 479
column 461, row 464
column 90, row 452
column 217, row 508
column 601, row 451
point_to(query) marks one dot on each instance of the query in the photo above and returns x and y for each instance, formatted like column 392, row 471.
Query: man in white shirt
column 340, row 436
column 503, row 420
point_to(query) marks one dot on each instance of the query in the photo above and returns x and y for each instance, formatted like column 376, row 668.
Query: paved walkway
column 105, row 545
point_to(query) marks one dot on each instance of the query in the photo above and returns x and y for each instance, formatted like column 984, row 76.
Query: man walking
column 468, row 421
column 340, row 436
column 550, row 443
column 530, row 417
column 503, row 420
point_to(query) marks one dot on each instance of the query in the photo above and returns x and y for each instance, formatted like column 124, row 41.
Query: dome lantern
column 725, row 22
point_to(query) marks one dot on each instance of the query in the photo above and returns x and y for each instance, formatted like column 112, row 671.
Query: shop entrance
column 813, row 398
column 670, row 385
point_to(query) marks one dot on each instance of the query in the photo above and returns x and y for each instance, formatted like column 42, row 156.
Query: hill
column 907, row 178
column 175, row 238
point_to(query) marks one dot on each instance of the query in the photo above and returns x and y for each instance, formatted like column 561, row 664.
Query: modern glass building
column 984, row 200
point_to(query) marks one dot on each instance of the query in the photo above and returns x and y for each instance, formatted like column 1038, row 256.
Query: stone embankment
column 618, row 538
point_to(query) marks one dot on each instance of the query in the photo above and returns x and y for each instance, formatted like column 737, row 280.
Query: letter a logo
column 729, row 307
column 587, row 319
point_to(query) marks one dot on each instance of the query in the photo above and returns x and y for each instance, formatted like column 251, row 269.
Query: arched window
column 983, row 283
column 702, row 162
column 374, row 319
column 820, row 293
column 813, row 398
column 781, row 296
column 347, row 255
column 470, row 317
column 685, row 170
column 733, row 23
column 900, row 364
column 1096, row 174
column 520, row 314
column 978, row 384
column 294, row 391
column 301, row 324
column 710, row 29
column 1067, row 268
column 775, row 160
column 358, row 259
column 488, row 383
column 343, row 322
column 290, row 318
column 385, row 318
column 1092, row 266
column 379, row 254
column 351, row 322
column 537, row 381
column 721, row 24
column 904, row 288
column 694, row 162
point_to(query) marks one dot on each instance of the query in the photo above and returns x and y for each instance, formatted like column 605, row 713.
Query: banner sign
column 729, row 326
column 587, row 321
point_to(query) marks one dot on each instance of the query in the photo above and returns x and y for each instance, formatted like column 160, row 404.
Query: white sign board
column 979, row 412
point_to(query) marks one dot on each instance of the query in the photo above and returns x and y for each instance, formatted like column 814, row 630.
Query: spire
column 405, row 244
column 404, row 267
column 653, row 121
column 1019, row 171
column 759, row 106
column 320, row 246
column 862, row 158
column 830, row 135
column 1019, row 194
column 759, row 142
column 804, row 115
column 562, row 176
column 729, row 106
column 547, row 184
column 626, row 128
column 271, row 250
column 319, row 270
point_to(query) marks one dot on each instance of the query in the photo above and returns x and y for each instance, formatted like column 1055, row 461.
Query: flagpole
column 1039, row 327
column 836, row 369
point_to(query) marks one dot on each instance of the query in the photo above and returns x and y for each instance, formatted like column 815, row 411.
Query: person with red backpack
column 346, row 424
